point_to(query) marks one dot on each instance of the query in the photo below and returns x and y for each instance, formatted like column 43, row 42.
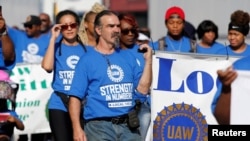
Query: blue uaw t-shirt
column 241, row 64
column 213, row 49
column 182, row 45
column 66, row 58
column 107, row 82
column 228, row 51
column 28, row 49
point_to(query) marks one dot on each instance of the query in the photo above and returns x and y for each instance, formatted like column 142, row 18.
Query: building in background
column 16, row 11
column 139, row 8
column 20, row 9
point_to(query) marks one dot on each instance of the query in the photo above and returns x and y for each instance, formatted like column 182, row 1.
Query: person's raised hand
column 227, row 76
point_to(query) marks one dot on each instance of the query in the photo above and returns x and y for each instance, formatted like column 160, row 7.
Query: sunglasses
column 28, row 26
column 126, row 31
column 65, row 27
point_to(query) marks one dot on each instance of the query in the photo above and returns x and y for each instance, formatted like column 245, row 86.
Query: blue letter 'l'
column 164, row 80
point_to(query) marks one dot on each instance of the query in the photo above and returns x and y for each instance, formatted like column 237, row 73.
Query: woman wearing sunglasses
column 63, row 53
column 128, row 41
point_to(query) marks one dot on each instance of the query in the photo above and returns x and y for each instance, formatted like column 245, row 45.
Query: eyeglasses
column 28, row 26
column 126, row 31
column 65, row 27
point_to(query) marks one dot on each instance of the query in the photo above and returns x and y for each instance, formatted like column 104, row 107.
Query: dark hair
column 240, row 19
column 58, row 18
column 98, row 22
column 67, row 12
column 130, row 19
column 189, row 30
column 207, row 26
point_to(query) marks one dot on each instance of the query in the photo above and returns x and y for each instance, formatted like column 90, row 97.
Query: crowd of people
column 110, row 57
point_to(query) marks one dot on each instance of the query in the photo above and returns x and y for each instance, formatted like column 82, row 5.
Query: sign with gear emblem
column 180, row 122
column 182, row 96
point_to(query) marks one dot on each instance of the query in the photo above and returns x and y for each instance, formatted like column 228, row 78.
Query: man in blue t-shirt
column 31, row 44
column 107, row 78
column 176, row 40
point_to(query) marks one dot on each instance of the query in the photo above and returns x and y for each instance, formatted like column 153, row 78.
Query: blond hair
column 96, row 8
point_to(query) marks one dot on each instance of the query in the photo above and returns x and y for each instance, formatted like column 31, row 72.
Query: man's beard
column 117, row 39
column 117, row 42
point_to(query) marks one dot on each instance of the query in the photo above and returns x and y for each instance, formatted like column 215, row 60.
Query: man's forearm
column 222, row 109
column 74, row 111
column 146, row 79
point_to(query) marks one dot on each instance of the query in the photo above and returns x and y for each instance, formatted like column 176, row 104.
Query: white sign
column 183, row 89
column 32, row 97
column 240, row 97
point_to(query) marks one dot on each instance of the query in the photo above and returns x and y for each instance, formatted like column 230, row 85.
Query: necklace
column 173, row 47
column 107, row 59
column 105, row 56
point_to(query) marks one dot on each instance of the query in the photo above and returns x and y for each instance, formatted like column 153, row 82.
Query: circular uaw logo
column 115, row 73
column 180, row 122
column 33, row 48
column 72, row 61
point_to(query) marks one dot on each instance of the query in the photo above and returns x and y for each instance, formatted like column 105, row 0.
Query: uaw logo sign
column 180, row 122
column 182, row 93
